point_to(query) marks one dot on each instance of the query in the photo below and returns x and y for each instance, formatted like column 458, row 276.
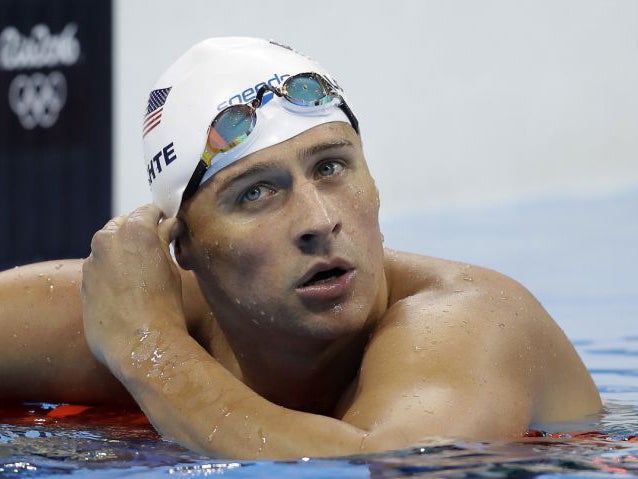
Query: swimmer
column 283, row 328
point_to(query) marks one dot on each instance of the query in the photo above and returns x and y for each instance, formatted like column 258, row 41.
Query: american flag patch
column 154, row 108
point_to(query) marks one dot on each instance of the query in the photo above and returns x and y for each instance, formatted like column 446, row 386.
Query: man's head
column 285, row 233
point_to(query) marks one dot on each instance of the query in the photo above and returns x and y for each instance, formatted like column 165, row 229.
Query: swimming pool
column 577, row 255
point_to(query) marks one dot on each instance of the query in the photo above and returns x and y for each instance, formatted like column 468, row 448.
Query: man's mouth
column 327, row 281
column 324, row 276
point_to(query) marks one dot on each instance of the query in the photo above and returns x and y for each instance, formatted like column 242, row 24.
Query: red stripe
column 151, row 116
column 148, row 129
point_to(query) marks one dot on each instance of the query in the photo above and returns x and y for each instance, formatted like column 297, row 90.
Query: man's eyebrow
column 251, row 171
column 321, row 147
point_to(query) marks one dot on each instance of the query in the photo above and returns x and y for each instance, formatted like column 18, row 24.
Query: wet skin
column 289, row 331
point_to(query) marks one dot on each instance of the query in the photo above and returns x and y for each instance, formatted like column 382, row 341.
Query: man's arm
column 43, row 352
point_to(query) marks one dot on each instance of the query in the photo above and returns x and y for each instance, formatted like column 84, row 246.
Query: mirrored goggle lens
column 230, row 128
column 306, row 90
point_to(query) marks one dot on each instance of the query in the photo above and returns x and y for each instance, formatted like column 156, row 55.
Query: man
column 288, row 330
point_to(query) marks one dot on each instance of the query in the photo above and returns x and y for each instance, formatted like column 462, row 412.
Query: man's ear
column 182, row 248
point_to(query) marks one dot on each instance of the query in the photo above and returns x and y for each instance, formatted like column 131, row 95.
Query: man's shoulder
column 464, row 324
column 451, row 300
column 416, row 276
column 456, row 335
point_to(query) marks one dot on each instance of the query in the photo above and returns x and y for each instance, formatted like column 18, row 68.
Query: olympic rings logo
column 38, row 99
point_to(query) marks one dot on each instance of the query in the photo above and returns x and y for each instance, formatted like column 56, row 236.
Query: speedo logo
column 251, row 92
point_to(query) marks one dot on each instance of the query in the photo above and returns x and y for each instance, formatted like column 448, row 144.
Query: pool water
column 578, row 256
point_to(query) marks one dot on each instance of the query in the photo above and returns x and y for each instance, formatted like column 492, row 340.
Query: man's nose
column 317, row 220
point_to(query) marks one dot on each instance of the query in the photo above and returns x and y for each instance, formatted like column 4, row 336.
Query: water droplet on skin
column 467, row 278
column 262, row 440
column 59, row 266
column 157, row 355
column 144, row 333
column 501, row 325
column 237, row 301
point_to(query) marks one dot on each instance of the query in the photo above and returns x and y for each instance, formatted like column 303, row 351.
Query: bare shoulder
column 477, row 310
column 463, row 294
column 410, row 274
column 478, row 333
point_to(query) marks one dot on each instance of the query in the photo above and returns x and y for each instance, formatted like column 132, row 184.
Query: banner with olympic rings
column 55, row 127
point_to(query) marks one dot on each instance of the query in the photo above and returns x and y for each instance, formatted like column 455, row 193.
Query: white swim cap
column 209, row 77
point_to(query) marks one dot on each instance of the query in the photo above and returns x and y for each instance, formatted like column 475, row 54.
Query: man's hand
column 130, row 282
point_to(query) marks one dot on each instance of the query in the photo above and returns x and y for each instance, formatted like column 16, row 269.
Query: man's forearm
column 191, row 398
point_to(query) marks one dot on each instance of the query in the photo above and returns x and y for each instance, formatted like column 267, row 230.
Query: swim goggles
column 234, row 123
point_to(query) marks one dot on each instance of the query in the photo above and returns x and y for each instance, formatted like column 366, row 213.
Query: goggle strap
column 353, row 119
column 193, row 183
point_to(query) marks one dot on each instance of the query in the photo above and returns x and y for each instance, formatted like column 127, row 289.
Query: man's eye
column 329, row 168
column 256, row 192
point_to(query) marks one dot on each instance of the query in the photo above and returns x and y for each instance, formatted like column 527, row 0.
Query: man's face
column 287, row 239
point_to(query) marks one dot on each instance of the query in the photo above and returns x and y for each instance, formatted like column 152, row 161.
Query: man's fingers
column 148, row 214
column 114, row 223
column 139, row 224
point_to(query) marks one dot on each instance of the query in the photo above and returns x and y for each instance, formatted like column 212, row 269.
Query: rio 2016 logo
column 38, row 98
